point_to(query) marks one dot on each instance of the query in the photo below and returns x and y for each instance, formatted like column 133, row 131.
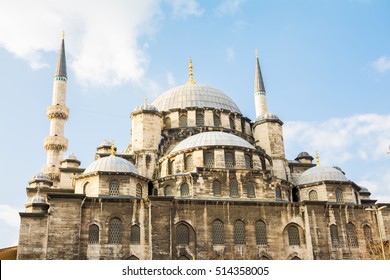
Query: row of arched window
column 338, row 194
column 113, row 189
column 114, row 233
column 199, row 121
column 352, row 239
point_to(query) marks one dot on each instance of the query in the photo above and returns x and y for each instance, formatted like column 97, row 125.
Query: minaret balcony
column 56, row 143
column 58, row 111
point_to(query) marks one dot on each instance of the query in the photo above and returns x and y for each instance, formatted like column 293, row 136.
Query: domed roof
column 212, row 138
column 41, row 177
column 111, row 164
column 37, row 198
column 304, row 155
column 321, row 173
column 194, row 95
column 267, row 116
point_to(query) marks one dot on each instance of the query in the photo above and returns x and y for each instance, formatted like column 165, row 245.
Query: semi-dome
column 194, row 95
column 111, row 164
column 212, row 138
column 321, row 173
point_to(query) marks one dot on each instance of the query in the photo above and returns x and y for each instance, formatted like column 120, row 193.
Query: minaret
column 56, row 144
column 260, row 100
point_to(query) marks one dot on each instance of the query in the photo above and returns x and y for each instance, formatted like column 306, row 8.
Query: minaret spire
column 259, row 90
column 191, row 74
column 56, row 144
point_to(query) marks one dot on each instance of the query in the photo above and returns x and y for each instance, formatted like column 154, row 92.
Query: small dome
column 111, row 164
column 72, row 156
column 364, row 190
column 106, row 143
column 41, row 177
column 304, row 155
column 194, row 96
column 212, row 139
column 321, row 173
column 267, row 116
column 148, row 107
column 37, row 198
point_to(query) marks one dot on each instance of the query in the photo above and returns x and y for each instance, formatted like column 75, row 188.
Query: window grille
column 231, row 123
column 229, row 160
column 93, row 237
column 233, row 185
column 351, row 235
column 334, row 236
column 339, row 195
column 135, row 234
column 217, row 188
column 113, row 188
column 239, row 233
column 313, row 195
column 218, row 233
column 199, row 119
column 138, row 190
column 189, row 163
column 183, row 120
column 167, row 122
column 248, row 162
column 184, row 190
column 250, row 190
column 114, row 231
column 182, row 235
column 261, row 233
column 209, row 160
column 367, row 233
column 168, row 191
column 278, row 193
column 217, row 120
column 293, row 236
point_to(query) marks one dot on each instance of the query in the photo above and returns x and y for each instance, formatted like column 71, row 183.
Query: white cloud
column 184, row 8
column 170, row 79
column 230, row 54
column 382, row 64
column 229, row 7
column 102, row 39
column 9, row 215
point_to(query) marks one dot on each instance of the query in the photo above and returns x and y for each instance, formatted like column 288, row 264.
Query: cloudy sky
column 326, row 66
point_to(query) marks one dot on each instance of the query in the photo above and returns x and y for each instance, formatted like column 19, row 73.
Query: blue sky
column 326, row 66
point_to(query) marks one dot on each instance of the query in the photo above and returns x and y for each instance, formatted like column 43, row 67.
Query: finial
column 63, row 35
column 257, row 53
column 113, row 148
column 318, row 159
column 145, row 102
column 191, row 74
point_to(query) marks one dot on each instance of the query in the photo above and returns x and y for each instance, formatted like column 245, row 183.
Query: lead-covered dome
column 194, row 95
column 212, row 138
column 321, row 173
column 111, row 164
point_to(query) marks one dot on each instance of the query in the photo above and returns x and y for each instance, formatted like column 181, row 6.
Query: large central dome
column 194, row 96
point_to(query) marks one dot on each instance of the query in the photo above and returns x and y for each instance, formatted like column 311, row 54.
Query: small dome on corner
column 111, row 164
column 321, row 173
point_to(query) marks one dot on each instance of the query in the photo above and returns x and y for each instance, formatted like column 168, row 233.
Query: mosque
column 198, row 181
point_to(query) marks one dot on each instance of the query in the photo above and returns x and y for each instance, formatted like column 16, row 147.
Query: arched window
column 218, row 233
column 217, row 120
column 87, row 188
column 248, row 161
column 171, row 167
column 138, row 190
column 293, row 236
column 239, row 233
column 231, row 123
column 250, row 190
column 278, row 193
column 296, row 258
column 313, row 195
column 334, row 236
column 167, row 122
column 339, row 195
column 243, row 125
column 189, row 163
column 135, row 234
column 93, row 235
column 113, row 188
column 199, row 119
column 217, row 188
column 184, row 190
column 183, row 120
column 367, row 233
column 182, row 235
column 114, row 231
column 209, row 160
column 155, row 192
column 233, row 186
column 133, row 258
column 351, row 235
column 261, row 233
column 229, row 160
column 295, row 194
column 168, row 191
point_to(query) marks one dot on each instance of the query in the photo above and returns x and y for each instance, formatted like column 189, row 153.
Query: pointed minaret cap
column 191, row 74
column 259, row 84
column 61, row 62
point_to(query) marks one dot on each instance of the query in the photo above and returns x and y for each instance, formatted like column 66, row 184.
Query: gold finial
column 318, row 159
column 257, row 53
column 63, row 35
column 191, row 74
column 113, row 148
